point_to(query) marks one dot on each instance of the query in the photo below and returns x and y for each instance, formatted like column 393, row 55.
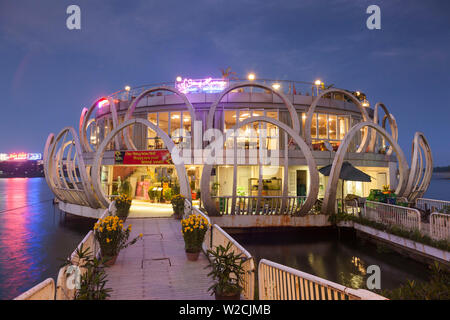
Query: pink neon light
column 209, row 85
column 103, row 102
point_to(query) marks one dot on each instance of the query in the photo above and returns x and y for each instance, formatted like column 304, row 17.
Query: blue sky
column 49, row 73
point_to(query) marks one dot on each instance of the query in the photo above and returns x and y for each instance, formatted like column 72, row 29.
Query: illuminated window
column 332, row 127
column 323, row 126
column 314, row 126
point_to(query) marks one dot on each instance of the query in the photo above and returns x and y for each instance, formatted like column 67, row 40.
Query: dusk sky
column 49, row 73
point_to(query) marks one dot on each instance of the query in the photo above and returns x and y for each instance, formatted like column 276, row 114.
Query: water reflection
column 319, row 252
column 33, row 235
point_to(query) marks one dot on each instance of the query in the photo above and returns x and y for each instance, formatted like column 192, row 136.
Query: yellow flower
column 140, row 235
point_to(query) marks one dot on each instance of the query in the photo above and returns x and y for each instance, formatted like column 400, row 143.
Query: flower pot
column 235, row 296
column 111, row 261
column 192, row 256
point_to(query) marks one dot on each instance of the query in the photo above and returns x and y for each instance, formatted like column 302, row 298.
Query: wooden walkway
column 156, row 267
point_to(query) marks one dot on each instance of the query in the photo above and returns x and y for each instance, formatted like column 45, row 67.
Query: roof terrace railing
column 287, row 87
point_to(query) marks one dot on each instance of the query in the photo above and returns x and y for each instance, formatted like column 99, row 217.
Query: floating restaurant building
column 240, row 147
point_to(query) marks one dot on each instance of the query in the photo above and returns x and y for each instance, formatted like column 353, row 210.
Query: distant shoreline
column 441, row 175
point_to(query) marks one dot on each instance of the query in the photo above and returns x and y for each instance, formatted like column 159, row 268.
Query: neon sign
column 208, row 85
column 103, row 102
column 20, row 156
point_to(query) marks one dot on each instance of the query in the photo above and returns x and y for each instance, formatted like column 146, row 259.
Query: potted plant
column 227, row 272
column 194, row 229
column 168, row 194
column 112, row 237
column 151, row 194
column 125, row 188
column 123, row 204
column 92, row 277
column 178, row 206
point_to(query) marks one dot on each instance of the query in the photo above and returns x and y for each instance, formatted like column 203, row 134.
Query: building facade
column 242, row 147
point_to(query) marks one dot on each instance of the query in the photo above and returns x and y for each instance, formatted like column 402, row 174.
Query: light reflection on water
column 33, row 235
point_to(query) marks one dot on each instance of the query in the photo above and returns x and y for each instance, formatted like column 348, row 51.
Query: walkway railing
column 220, row 237
column 254, row 205
column 208, row 240
column 279, row 282
column 388, row 214
column 440, row 226
column 431, row 204
column 42, row 291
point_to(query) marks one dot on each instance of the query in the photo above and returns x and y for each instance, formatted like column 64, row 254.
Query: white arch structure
column 420, row 174
column 128, row 141
column 179, row 163
column 79, row 191
column 392, row 123
column 328, row 205
column 70, row 180
column 287, row 103
column 313, row 173
column 312, row 109
column 84, row 122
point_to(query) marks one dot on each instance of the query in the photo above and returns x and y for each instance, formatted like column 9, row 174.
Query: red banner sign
column 143, row 157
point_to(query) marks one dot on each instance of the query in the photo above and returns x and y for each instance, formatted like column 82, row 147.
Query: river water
column 34, row 236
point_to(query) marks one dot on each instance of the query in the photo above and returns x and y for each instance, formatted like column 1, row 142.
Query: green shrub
column 437, row 288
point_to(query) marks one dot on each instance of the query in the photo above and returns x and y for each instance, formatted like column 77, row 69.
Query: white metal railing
column 431, row 204
column 279, row 282
column 63, row 292
column 207, row 241
column 42, row 291
column 264, row 205
column 440, row 226
column 220, row 237
column 388, row 214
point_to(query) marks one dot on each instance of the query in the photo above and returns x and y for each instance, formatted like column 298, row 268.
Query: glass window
column 175, row 124
column 343, row 127
column 229, row 122
column 186, row 122
column 332, row 130
column 163, row 122
column 323, row 126
column 272, row 132
column 314, row 126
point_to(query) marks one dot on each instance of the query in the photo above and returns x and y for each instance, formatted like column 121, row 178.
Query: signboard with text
column 143, row 157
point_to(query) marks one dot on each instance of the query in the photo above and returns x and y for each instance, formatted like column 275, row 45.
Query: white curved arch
column 392, row 124
column 128, row 141
column 418, row 181
column 53, row 166
column 328, row 205
column 312, row 109
column 84, row 119
column 287, row 103
column 313, row 173
column 179, row 166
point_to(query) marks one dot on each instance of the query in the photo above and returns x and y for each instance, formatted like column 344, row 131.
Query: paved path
column 145, row 209
column 156, row 267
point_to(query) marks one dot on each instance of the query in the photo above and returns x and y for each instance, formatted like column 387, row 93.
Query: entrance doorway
column 301, row 183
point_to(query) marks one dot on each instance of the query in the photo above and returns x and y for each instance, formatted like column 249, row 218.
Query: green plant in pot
column 194, row 229
column 112, row 237
column 125, row 188
column 227, row 272
column 178, row 206
column 168, row 194
column 92, row 278
column 123, row 204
